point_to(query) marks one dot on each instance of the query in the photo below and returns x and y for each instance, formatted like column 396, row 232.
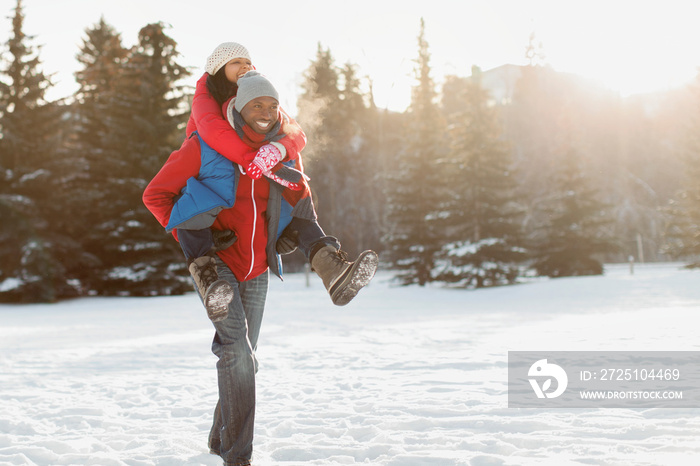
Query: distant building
column 500, row 82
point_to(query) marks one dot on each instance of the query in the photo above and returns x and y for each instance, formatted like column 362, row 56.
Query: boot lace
column 208, row 274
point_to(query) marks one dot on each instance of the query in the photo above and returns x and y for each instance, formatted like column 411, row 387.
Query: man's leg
column 234, row 344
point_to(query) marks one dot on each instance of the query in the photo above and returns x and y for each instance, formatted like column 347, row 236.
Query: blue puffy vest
column 204, row 196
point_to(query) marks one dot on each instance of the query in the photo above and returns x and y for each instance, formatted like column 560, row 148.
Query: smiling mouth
column 263, row 124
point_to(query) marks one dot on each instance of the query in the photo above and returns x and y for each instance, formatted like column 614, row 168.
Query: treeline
column 73, row 171
column 553, row 178
column 458, row 189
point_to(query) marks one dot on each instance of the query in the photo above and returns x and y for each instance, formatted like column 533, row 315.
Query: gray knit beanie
column 252, row 85
column 223, row 54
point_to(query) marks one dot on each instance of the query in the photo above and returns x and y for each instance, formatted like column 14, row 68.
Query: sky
column 627, row 46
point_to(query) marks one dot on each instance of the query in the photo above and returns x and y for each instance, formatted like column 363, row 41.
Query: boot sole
column 219, row 296
column 355, row 278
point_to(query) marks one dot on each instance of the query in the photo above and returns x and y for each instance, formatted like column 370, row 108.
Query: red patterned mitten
column 267, row 157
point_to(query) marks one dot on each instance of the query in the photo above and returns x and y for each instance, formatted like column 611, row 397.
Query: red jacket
column 247, row 257
column 207, row 119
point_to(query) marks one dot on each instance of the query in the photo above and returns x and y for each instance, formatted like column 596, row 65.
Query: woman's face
column 237, row 68
column 260, row 114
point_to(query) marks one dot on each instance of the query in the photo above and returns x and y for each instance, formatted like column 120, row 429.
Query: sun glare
column 630, row 47
column 627, row 46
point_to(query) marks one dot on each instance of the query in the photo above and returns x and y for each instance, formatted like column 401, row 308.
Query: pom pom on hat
column 223, row 54
column 252, row 85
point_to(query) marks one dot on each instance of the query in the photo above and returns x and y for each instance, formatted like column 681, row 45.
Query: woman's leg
column 342, row 279
column 198, row 247
column 195, row 243
column 234, row 344
column 308, row 234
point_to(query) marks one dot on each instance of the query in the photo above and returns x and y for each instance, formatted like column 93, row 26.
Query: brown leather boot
column 216, row 294
column 343, row 279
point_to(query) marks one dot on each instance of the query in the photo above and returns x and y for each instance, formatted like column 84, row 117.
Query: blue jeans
column 235, row 342
column 307, row 234
column 195, row 243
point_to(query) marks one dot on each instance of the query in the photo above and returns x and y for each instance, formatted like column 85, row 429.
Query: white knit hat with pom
column 223, row 54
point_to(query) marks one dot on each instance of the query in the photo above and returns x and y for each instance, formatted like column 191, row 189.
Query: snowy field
column 400, row 377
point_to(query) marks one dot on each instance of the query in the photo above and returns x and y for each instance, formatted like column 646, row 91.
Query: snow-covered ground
column 403, row 376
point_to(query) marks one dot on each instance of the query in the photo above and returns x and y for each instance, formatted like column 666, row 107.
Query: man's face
column 260, row 114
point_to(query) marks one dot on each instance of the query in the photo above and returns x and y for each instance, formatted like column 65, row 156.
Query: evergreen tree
column 532, row 125
column 682, row 235
column 162, row 101
column 145, row 121
column 534, row 52
column 338, row 157
column 32, row 253
column 86, row 163
column 363, row 181
column 574, row 238
column 323, row 124
column 27, row 116
column 129, row 118
column 682, row 240
column 103, row 58
column 482, row 216
column 417, row 192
